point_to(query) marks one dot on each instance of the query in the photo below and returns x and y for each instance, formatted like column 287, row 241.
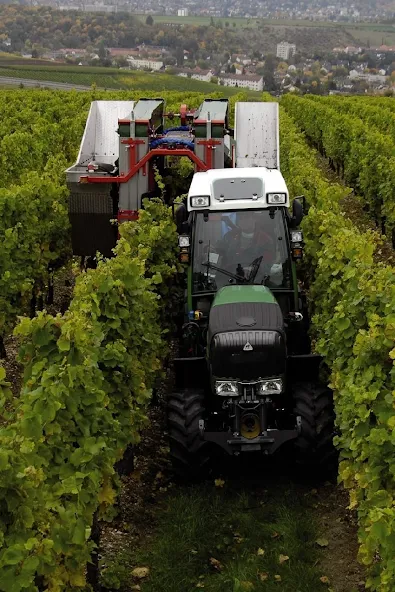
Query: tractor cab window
column 237, row 247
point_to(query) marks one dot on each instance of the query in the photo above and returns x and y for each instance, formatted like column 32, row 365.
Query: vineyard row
column 353, row 299
column 357, row 150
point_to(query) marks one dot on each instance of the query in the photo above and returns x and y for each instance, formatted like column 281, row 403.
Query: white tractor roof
column 237, row 188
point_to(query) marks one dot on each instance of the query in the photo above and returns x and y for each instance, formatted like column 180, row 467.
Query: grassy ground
column 232, row 540
column 251, row 527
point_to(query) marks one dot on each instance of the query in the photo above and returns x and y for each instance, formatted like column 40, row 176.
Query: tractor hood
column 246, row 338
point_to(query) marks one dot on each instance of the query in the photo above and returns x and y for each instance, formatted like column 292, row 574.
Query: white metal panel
column 257, row 135
column 100, row 140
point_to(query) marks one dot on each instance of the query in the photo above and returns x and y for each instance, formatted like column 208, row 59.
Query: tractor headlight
column 273, row 386
column 202, row 201
column 276, row 198
column 184, row 240
column 296, row 236
column 226, row 388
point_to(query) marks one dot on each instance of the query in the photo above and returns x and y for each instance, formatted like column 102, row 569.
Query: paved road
column 28, row 82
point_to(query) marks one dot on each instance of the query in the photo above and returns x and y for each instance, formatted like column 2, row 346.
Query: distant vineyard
column 112, row 78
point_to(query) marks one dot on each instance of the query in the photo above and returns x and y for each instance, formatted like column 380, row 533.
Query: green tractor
column 245, row 379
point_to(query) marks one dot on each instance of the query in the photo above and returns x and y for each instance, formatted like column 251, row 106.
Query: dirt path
column 253, row 527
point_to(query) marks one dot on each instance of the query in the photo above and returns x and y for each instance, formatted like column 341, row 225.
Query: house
column 351, row 50
column 202, row 75
column 142, row 64
column 371, row 78
column 251, row 82
column 117, row 52
column 243, row 59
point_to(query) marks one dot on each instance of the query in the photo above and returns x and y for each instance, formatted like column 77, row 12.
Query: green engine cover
column 247, row 293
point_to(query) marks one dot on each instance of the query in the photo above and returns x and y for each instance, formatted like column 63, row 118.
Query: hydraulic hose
column 164, row 141
column 180, row 128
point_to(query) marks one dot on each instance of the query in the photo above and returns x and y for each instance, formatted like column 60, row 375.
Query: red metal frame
column 155, row 152
column 132, row 142
column 126, row 215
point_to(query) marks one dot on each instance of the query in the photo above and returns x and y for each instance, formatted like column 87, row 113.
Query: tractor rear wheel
column 188, row 452
column 314, row 446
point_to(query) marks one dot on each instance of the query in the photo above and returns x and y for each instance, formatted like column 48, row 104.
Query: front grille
column 249, row 355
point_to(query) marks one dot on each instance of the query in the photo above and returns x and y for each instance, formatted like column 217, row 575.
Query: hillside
column 47, row 29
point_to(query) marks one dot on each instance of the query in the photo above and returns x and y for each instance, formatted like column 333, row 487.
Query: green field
column 201, row 20
column 363, row 33
column 373, row 36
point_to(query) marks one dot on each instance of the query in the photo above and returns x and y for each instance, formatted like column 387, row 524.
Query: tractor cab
column 239, row 233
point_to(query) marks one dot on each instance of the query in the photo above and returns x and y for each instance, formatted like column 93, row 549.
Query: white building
column 285, row 50
column 182, row 12
column 140, row 64
column 351, row 50
column 99, row 8
column 378, row 78
column 203, row 75
column 243, row 59
column 251, row 82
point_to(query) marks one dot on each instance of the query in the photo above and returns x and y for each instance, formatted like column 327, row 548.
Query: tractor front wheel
column 188, row 452
column 313, row 405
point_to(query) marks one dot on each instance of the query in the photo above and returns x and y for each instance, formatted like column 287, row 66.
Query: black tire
column 188, row 452
column 313, row 403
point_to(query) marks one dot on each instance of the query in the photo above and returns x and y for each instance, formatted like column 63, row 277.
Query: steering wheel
column 254, row 268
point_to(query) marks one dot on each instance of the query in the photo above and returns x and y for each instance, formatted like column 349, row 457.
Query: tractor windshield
column 236, row 247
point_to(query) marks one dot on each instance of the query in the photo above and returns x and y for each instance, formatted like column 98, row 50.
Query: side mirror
column 185, row 228
column 297, row 212
column 180, row 216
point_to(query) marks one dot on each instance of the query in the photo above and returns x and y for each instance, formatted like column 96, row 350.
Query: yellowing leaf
column 324, row 579
column 263, row 576
column 140, row 572
column 277, row 578
column 282, row 559
column 246, row 586
column 260, row 552
column 78, row 580
column 219, row 483
column 275, row 535
column 322, row 542
column 107, row 494
column 215, row 563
